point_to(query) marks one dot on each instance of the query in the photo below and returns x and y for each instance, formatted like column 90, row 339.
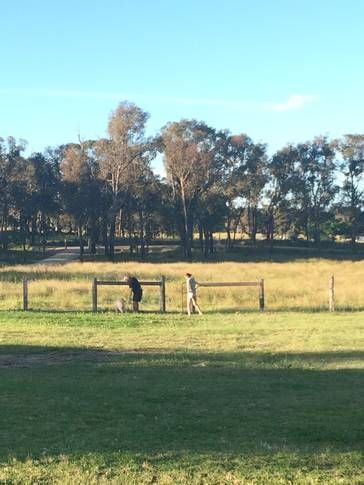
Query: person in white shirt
column 191, row 287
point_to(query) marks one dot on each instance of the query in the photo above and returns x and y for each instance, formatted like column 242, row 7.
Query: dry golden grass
column 301, row 285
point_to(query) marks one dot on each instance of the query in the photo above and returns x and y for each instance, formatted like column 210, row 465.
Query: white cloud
column 294, row 102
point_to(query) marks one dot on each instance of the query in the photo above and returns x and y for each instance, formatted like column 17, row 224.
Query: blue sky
column 279, row 70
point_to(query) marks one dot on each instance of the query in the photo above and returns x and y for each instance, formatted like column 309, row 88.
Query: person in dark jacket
column 136, row 291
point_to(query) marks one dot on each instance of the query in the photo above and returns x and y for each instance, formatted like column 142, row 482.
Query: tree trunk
column 43, row 230
column 141, row 235
column 252, row 220
column 206, row 245
column 190, row 232
column 187, row 239
column 120, row 223
column 104, row 236
column 270, row 230
column 33, row 230
column 4, row 231
column 317, row 228
column 112, row 238
column 23, row 233
column 80, row 237
column 130, row 235
column 93, row 234
column 200, row 237
column 236, row 224
column 211, row 242
column 228, row 233
column 353, row 225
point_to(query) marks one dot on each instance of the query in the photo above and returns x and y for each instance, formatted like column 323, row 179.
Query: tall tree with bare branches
column 118, row 156
column 193, row 164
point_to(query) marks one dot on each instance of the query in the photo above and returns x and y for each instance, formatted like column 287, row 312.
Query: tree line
column 105, row 189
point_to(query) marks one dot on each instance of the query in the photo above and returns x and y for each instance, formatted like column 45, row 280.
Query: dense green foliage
column 105, row 189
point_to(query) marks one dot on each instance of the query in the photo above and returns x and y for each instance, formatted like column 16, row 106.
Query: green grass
column 223, row 398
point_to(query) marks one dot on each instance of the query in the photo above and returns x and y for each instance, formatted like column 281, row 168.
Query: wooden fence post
column 25, row 294
column 162, row 296
column 94, row 295
column 332, row 294
column 261, row 295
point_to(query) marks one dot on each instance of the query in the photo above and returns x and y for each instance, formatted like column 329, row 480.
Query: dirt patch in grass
column 57, row 357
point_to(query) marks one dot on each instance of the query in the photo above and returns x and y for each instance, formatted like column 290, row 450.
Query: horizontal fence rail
column 162, row 292
column 220, row 284
column 238, row 283
column 161, row 283
column 123, row 283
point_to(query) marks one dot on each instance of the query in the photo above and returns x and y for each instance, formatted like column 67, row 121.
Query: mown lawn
column 223, row 398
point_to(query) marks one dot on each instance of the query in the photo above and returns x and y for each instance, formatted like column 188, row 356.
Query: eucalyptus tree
column 12, row 171
column 315, row 185
column 246, row 178
column 81, row 193
column 281, row 175
column 236, row 149
column 22, row 183
column 142, row 205
column 118, row 155
column 352, row 151
column 193, row 164
column 211, row 214
column 166, row 222
column 45, row 191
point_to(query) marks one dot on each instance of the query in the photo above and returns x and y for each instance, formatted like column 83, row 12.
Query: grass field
column 295, row 285
column 225, row 398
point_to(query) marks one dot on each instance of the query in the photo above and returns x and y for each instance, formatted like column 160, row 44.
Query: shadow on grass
column 242, row 252
column 83, row 400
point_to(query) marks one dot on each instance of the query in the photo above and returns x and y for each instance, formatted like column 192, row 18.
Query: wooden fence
column 25, row 294
column 332, row 294
column 259, row 284
column 161, row 283
column 162, row 291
